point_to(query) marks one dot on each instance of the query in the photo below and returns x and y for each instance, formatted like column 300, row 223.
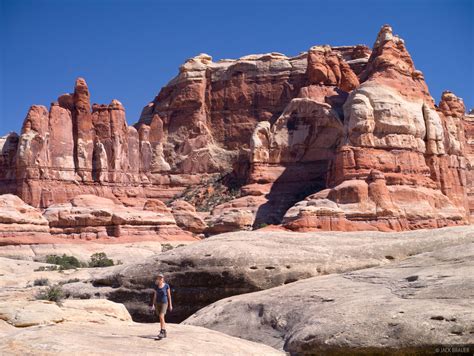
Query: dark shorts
column 160, row 308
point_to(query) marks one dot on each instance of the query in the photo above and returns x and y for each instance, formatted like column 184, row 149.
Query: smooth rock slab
column 125, row 253
column 243, row 262
column 416, row 304
column 126, row 339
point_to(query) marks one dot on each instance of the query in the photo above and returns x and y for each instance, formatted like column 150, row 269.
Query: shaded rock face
column 335, row 138
column 243, row 262
column 411, row 306
column 468, row 124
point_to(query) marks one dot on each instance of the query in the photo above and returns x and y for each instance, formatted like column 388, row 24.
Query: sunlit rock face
column 373, row 155
column 338, row 138
column 400, row 163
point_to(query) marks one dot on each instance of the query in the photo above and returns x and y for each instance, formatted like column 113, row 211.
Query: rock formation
column 335, row 138
column 412, row 306
column 86, row 149
column 249, row 261
column 187, row 218
column 468, row 124
column 93, row 326
column 19, row 219
column 382, row 157
column 90, row 217
column 87, row 217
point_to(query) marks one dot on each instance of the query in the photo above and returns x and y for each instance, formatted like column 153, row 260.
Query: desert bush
column 64, row 262
column 41, row 282
column 46, row 268
column 100, row 259
column 72, row 280
column 52, row 293
column 166, row 247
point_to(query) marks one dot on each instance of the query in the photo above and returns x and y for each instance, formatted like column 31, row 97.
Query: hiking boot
column 162, row 334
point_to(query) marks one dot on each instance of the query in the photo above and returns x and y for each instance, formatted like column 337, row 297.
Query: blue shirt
column 161, row 293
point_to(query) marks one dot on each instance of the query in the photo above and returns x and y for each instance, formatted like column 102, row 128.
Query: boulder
column 231, row 220
column 187, row 218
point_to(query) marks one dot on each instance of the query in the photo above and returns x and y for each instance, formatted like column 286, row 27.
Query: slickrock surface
column 123, row 252
column 100, row 327
column 335, row 138
column 243, row 262
column 93, row 326
column 129, row 338
column 410, row 306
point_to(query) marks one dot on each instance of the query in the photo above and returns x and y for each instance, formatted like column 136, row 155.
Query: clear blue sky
column 129, row 49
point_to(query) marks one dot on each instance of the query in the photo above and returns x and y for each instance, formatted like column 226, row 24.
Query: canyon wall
column 335, row 138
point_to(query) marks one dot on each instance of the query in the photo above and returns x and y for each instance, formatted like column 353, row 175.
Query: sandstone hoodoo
column 335, row 138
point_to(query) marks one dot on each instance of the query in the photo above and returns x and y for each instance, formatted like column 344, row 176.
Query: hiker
column 161, row 300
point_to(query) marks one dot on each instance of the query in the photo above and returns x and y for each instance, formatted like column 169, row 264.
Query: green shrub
column 100, row 259
column 166, row 247
column 41, row 282
column 72, row 280
column 46, row 268
column 64, row 262
column 52, row 293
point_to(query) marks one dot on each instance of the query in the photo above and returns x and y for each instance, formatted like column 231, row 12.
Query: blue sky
column 129, row 49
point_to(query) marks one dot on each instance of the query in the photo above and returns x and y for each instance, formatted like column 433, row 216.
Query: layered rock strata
column 382, row 157
column 20, row 219
column 335, row 138
column 468, row 124
column 91, row 217
column 86, row 218
column 77, row 148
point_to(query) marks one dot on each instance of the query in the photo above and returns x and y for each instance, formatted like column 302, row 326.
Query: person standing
column 160, row 302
